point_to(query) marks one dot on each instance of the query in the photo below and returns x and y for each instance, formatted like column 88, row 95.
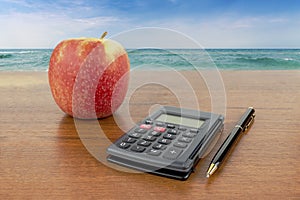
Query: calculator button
column 145, row 126
column 159, row 124
column 149, row 138
column 169, row 136
column 172, row 153
column 140, row 130
column 134, row 135
column 144, row 143
column 159, row 146
column 148, row 121
column 193, row 130
column 164, row 141
column 180, row 144
column 182, row 128
column 159, row 129
column 138, row 149
column 123, row 145
column 154, row 152
column 189, row 135
column 172, row 131
column 185, row 139
column 129, row 140
column 155, row 133
column 170, row 126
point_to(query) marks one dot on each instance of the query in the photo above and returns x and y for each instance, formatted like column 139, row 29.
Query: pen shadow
column 219, row 171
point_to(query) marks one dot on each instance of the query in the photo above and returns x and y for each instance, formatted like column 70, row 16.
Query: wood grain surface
column 44, row 153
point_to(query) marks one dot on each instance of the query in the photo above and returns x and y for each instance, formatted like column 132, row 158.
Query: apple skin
column 89, row 77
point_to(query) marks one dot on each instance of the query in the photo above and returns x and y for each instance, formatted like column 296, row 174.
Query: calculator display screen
column 195, row 123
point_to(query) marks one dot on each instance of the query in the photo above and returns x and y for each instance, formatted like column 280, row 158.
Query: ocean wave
column 25, row 52
column 181, row 59
column 7, row 52
column 268, row 61
column 19, row 52
column 5, row 56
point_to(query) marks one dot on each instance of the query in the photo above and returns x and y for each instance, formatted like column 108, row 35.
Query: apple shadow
column 85, row 138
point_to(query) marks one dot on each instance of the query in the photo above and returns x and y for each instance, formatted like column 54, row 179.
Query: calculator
column 169, row 142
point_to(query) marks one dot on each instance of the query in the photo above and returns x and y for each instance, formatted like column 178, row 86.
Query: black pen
column 243, row 124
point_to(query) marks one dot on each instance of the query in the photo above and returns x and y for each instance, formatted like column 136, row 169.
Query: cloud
column 229, row 31
column 19, row 3
column 46, row 29
column 173, row 1
column 43, row 24
column 155, row 37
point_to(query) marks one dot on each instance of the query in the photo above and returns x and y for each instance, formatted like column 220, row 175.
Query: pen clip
column 250, row 122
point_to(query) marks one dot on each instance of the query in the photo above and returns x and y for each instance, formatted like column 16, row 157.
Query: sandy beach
column 41, row 154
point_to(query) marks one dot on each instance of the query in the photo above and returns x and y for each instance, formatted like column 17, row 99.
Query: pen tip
column 212, row 168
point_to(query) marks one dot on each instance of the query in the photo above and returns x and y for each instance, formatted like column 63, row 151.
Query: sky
column 212, row 23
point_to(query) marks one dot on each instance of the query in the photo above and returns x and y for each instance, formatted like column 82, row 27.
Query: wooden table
column 43, row 157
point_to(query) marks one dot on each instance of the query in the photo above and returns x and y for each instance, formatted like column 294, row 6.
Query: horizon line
column 131, row 48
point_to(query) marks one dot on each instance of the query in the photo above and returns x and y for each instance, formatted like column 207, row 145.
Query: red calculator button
column 159, row 129
column 145, row 126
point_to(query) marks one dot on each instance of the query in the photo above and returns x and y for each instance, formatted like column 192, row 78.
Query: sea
column 177, row 59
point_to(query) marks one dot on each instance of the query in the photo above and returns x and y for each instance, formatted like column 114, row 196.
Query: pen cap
column 247, row 119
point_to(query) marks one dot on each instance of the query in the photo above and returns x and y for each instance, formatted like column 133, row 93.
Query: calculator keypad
column 158, row 139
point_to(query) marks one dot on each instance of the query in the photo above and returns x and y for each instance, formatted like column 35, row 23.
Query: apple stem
column 103, row 35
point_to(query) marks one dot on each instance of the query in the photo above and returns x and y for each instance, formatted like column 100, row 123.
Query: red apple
column 89, row 77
